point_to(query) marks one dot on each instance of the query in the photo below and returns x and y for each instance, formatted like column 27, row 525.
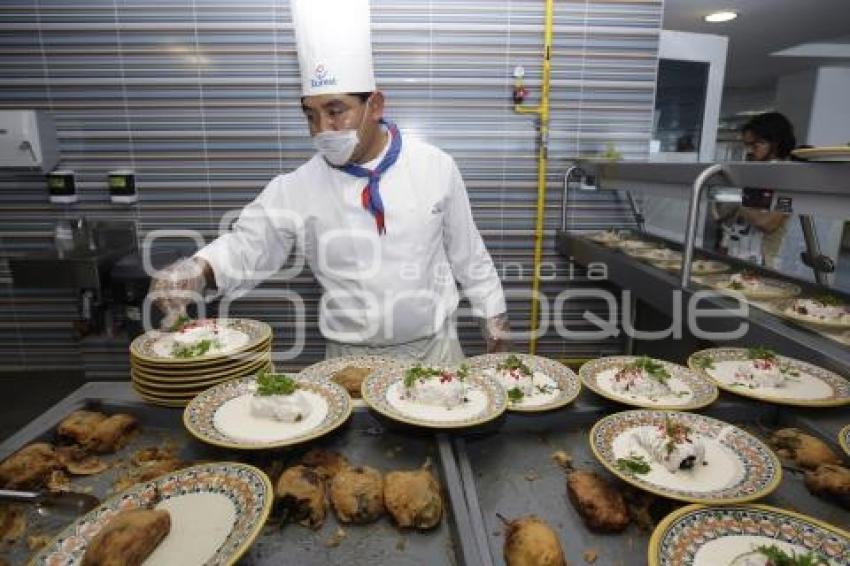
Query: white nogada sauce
column 804, row 386
column 475, row 405
column 235, row 420
column 228, row 339
column 605, row 380
column 725, row 549
column 535, row 398
column 724, row 468
column 200, row 523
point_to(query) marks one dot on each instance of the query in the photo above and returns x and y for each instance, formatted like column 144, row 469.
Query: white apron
column 742, row 241
column 441, row 349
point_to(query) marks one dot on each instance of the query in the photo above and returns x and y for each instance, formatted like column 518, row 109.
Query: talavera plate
column 844, row 439
column 221, row 416
column 689, row 390
column 771, row 289
column 216, row 510
column 324, row 370
column 738, row 466
column 786, row 309
column 486, row 400
column 697, row 535
column 807, row 385
column 240, row 335
column 561, row 385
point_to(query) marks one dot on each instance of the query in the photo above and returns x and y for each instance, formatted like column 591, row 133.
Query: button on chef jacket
column 378, row 289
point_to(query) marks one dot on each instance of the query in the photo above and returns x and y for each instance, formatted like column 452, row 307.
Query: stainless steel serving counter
column 506, row 469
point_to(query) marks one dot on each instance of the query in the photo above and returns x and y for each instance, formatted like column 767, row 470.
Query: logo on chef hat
column 321, row 77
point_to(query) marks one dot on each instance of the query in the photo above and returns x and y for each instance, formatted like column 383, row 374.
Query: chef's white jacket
column 378, row 289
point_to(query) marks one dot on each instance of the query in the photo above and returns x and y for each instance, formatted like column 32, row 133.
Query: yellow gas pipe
column 542, row 111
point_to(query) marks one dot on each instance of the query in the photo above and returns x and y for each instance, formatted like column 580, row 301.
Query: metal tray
column 515, row 475
column 363, row 440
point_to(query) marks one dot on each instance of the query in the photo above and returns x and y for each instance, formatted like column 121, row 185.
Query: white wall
column 818, row 104
column 830, row 118
column 794, row 98
column 746, row 100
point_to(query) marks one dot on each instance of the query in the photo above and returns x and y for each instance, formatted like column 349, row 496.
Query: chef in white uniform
column 383, row 220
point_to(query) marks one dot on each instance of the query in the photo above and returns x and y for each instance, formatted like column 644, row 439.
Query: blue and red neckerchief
column 371, row 195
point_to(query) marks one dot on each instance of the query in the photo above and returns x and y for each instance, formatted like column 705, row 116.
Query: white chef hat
column 334, row 43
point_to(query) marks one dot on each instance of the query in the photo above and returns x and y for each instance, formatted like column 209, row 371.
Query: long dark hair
column 774, row 128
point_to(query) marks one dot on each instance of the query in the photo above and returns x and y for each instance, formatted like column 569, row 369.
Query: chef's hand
column 497, row 333
column 176, row 287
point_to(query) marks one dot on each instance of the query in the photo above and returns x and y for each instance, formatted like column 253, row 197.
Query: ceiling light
column 720, row 17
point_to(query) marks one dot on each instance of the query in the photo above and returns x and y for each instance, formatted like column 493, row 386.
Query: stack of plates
column 240, row 347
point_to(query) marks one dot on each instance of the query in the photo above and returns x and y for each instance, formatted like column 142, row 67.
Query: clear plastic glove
column 497, row 333
column 176, row 287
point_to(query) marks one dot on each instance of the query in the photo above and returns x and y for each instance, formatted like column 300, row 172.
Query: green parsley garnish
column 419, row 372
column 515, row 395
column 761, row 353
column 275, row 384
column 199, row 348
column 546, row 389
column 704, row 362
column 653, row 368
column 513, row 362
column 676, row 432
column 788, row 371
column 181, row 321
column 779, row 557
column 829, row 300
column 634, row 464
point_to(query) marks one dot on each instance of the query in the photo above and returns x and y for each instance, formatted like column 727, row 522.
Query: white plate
column 217, row 510
column 813, row 387
column 691, row 391
column 698, row 267
column 655, row 255
column 697, row 535
column 827, row 153
column 771, row 289
column 637, row 246
column 844, row 439
column 786, row 309
column 739, row 466
column 383, row 392
column 608, row 238
column 562, row 383
column 236, row 335
column 221, row 416
column 324, row 370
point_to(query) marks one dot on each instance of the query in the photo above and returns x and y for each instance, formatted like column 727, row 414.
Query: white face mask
column 337, row 146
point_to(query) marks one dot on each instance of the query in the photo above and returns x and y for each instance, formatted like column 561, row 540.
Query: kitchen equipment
column 62, row 186
column 49, row 502
column 27, row 139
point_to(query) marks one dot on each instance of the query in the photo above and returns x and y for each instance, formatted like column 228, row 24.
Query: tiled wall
column 200, row 97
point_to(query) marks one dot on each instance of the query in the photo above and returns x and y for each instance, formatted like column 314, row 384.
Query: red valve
column 520, row 94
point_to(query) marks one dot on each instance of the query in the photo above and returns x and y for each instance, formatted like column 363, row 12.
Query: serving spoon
column 50, row 502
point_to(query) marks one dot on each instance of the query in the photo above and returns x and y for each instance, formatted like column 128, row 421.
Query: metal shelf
column 793, row 177
column 819, row 188
column 656, row 288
